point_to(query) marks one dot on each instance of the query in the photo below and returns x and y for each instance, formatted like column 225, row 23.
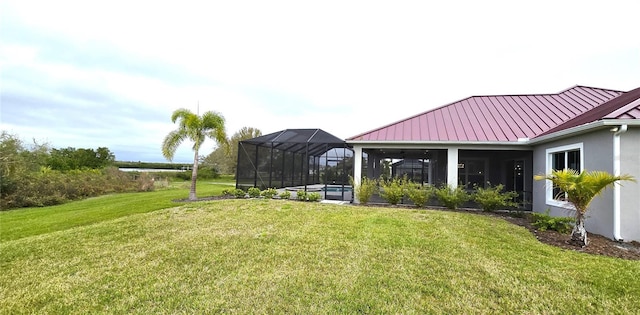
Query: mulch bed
column 598, row 244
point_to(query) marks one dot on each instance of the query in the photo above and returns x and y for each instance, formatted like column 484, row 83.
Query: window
column 559, row 158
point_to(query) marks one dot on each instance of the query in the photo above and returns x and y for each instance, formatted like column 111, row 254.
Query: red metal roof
column 494, row 118
column 626, row 106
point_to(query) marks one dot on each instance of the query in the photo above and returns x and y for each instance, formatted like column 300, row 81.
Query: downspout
column 616, row 188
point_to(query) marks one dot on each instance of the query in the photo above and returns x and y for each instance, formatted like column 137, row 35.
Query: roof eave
column 370, row 142
column 582, row 128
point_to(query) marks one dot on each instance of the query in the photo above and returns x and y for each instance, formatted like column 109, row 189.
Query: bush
column 365, row 189
column 393, row 190
column 450, row 197
column 269, row 193
column 301, row 195
column 49, row 187
column 254, row 192
column 544, row 221
column 419, row 194
column 492, row 198
column 227, row 192
column 145, row 182
column 285, row 194
column 314, row 196
column 239, row 193
column 183, row 175
column 208, row 172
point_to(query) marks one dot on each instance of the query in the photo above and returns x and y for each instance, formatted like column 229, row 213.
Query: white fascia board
column 619, row 122
column 446, row 143
column 583, row 128
column 493, row 145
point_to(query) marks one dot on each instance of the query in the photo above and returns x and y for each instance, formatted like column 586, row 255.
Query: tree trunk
column 579, row 233
column 194, row 177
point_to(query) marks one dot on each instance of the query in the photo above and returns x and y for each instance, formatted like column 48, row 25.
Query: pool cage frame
column 295, row 159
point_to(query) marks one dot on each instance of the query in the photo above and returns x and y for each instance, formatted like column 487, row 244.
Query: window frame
column 550, row 201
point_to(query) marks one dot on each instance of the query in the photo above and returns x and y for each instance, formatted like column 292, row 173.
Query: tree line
column 38, row 175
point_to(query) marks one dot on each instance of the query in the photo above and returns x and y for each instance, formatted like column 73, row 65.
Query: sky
column 89, row 74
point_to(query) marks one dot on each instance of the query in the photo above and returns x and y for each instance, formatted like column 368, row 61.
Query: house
column 507, row 139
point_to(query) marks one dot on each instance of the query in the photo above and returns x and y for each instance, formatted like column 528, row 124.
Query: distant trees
column 37, row 175
column 197, row 129
column 72, row 158
column 225, row 160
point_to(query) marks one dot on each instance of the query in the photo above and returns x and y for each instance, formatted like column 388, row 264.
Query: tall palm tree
column 580, row 190
column 197, row 129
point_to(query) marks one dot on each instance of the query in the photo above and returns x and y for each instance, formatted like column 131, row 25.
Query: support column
column 452, row 167
column 357, row 170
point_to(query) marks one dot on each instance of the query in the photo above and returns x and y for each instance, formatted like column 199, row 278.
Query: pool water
column 338, row 189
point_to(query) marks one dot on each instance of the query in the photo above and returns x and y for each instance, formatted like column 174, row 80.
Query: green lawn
column 20, row 223
column 273, row 256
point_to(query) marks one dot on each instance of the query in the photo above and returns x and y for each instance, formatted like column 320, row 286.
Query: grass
column 273, row 256
column 18, row 223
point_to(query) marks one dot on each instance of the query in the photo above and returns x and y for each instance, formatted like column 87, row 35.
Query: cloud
column 110, row 73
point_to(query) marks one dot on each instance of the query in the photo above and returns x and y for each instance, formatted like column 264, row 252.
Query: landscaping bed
column 598, row 244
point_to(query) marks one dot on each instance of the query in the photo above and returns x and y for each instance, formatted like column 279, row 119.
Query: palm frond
column 171, row 143
column 195, row 128
column 582, row 188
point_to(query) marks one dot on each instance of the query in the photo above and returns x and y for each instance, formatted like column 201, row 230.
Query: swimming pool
column 336, row 188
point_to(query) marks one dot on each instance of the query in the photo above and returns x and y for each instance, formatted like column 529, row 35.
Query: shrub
column 239, row 193
column 208, row 172
column 492, row 198
column 314, row 196
column 269, row 193
column 254, row 192
column 145, row 182
column 183, row 175
column 285, row 194
column 365, row 189
column 450, row 197
column 301, row 195
column 419, row 194
column 48, row 187
column 227, row 192
column 544, row 221
column 393, row 190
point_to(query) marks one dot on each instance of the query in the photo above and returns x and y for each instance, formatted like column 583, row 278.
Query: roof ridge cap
column 590, row 87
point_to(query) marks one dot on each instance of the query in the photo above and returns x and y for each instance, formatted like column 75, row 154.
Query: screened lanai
column 295, row 159
column 471, row 167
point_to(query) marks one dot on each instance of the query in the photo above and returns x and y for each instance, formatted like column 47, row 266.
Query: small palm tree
column 197, row 129
column 580, row 190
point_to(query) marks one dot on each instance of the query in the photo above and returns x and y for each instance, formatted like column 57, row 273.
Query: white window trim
column 549, row 185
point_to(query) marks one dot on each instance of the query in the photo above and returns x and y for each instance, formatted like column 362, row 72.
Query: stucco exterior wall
column 598, row 155
column 630, row 191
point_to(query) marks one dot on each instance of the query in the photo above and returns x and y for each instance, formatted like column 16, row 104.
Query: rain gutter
column 616, row 187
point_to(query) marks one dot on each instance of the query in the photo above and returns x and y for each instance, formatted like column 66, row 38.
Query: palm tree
column 580, row 190
column 197, row 129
